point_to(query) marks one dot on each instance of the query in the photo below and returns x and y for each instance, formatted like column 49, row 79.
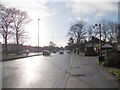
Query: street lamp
column 38, row 35
column 100, row 51
column 52, row 37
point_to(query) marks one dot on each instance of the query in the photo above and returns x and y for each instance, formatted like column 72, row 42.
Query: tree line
column 12, row 25
column 81, row 32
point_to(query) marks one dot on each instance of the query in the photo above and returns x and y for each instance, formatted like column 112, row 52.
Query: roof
column 107, row 46
column 95, row 40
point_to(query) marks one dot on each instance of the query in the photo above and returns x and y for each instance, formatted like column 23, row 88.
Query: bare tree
column 109, row 30
column 90, row 32
column 12, row 23
column 77, row 31
column 104, row 29
column 18, row 25
column 6, row 19
column 113, row 31
column 118, row 38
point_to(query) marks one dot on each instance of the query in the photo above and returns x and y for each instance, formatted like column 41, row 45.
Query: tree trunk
column 17, row 42
column 6, row 47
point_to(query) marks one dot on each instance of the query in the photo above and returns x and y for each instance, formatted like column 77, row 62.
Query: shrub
column 89, row 51
column 115, row 72
column 102, row 63
column 112, row 59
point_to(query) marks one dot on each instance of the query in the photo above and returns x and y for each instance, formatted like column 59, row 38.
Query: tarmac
column 85, row 72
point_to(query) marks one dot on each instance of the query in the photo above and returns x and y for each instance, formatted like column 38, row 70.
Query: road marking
column 68, row 73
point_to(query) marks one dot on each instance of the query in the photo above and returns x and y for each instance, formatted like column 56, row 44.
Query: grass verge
column 116, row 72
column 102, row 63
column 13, row 57
column 112, row 70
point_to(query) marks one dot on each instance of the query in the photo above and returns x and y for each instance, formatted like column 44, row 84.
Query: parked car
column 54, row 51
column 61, row 52
column 68, row 51
column 46, row 53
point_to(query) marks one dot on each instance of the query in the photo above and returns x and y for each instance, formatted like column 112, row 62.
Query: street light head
column 96, row 24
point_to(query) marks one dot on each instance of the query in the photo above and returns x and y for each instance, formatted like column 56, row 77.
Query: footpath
column 84, row 72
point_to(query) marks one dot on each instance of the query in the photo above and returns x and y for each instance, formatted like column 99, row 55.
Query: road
column 55, row 71
column 36, row 72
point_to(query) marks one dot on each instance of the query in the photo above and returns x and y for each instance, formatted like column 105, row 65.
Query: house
column 94, row 42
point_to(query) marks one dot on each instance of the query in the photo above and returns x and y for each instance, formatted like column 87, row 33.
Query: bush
column 112, row 59
column 102, row 63
column 115, row 72
column 101, row 58
column 89, row 51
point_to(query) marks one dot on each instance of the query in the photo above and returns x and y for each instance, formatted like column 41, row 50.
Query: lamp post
column 38, row 35
column 52, row 38
column 100, row 51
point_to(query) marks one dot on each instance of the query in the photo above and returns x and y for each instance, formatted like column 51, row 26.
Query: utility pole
column 100, row 49
column 38, row 36
column 100, row 41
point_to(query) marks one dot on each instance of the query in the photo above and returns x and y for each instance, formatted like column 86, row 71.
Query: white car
column 24, row 52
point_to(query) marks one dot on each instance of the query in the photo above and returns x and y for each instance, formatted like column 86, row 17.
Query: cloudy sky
column 56, row 16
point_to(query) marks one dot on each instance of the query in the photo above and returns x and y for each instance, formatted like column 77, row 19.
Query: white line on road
column 68, row 73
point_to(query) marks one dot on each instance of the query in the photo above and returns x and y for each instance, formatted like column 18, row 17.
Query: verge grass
column 11, row 56
column 116, row 72
column 112, row 70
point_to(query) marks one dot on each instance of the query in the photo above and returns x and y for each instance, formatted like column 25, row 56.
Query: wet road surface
column 36, row 72
column 56, row 71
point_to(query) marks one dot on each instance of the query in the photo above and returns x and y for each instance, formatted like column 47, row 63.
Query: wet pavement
column 86, row 73
column 56, row 71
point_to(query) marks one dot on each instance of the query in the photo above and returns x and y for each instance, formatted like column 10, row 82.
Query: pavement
column 84, row 72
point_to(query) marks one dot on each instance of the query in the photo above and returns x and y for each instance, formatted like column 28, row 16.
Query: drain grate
column 81, row 75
